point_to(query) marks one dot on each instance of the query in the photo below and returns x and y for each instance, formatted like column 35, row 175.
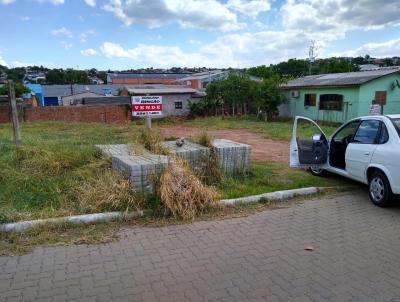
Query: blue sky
column 122, row 34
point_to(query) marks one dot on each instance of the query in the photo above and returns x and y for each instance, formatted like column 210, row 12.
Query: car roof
column 394, row 116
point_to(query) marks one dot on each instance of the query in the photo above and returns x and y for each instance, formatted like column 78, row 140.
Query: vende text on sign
column 147, row 105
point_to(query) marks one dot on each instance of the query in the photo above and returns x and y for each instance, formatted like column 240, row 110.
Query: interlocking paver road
column 262, row 257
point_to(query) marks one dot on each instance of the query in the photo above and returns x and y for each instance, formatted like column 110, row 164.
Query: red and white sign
column 146, row 105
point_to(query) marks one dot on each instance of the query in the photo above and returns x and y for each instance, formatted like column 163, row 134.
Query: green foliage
column 18, row 87
column 69, row 76
column 16, row 74
column 239, row 94
column 294, row 68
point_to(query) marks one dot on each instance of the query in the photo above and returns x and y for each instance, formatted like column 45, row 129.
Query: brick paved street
column 356, row 257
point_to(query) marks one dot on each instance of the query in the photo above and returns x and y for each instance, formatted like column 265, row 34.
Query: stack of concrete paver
column 192, row 153
column 139, row 169
column 233, row 157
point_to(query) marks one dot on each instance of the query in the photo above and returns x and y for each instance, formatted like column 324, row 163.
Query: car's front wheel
column 316, row 171
column 379, row 189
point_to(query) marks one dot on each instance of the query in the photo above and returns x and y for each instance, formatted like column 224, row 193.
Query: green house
column 339, row 97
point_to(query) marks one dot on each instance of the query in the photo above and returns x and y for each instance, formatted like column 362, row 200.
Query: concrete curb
column 77, row 219
column 273, row 195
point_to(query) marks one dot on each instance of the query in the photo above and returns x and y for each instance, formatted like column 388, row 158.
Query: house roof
column 172, row 76
column 204, row 75
column 85, row 93
column 170, row 89
column 340, row 79
column 64, row 90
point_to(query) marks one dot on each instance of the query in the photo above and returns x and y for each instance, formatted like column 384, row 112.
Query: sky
column 124, row 34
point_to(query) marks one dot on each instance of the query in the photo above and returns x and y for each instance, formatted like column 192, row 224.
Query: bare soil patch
column 262, row 149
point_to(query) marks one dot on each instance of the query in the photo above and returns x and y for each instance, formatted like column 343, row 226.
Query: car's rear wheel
column 316, row 171
column 379, row 189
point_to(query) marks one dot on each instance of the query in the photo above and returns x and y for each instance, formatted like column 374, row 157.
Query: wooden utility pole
column 14, row 114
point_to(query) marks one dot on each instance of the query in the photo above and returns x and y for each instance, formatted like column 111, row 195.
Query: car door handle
column 366, row 153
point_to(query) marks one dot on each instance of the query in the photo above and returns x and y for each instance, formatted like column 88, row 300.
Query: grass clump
column 153, row 141
column 182, row 192
column 208, row 171
column 108, row 191
column 205, row 140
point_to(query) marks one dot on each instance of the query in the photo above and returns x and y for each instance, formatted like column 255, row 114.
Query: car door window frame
column 344, row 126
column 352, row 141
column 381, row 129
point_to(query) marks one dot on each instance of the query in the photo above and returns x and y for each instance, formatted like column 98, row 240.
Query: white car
column 366, row 149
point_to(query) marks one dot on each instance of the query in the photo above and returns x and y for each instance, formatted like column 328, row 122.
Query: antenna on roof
column 312, row 54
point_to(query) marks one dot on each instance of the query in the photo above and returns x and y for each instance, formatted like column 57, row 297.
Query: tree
column 19, row 88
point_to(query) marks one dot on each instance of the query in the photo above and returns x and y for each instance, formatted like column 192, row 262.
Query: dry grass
column 109, row 191
column 152, row 141
column 209, row 172
column 12, row 243
column 204, row 139
column 182, row 192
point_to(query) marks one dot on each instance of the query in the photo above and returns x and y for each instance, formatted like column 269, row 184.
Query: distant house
column 365, row 67
column 53, row 93
column 77, row 98
column 202, row 79
column 175, row 98
column 144, row 78
column 37, row 91
column 341, row 96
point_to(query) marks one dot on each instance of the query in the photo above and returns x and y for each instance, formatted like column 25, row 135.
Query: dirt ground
column 262, row 149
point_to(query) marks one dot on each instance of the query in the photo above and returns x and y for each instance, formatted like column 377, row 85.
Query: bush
column 152, row 141
column 182, row 192
column 109, row 191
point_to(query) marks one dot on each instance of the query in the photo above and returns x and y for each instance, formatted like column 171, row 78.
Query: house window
column 310, row 100
column 178, row 105
column 331, row 102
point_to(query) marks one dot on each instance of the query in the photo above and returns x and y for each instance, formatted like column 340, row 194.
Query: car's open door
column 308, row 149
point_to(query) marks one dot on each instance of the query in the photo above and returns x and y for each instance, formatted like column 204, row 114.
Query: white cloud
column 335, row 17
column 233, row 50
column 91, row 3
column 25, row 18
column 89, row 52
column 249, row 8
column 6, row 2
column 84, row 36
column 203, row 14
column 66, row 45
column 195, row 42
column 55, row 2
column 21, row 64
column 390, row 48
column 62, row 32
column 3, row 62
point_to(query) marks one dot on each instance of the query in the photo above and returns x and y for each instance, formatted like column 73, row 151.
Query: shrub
column 209, row 171
column 108, row 191
column 152, row 141
column 182, row 192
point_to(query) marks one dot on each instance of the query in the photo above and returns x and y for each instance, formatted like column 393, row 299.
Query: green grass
column 267, row 177
column 281, row 130
column 42, row 179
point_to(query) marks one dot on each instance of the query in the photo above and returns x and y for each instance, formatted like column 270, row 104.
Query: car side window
column 347, row 131
column 383, row 135
column 367, row 132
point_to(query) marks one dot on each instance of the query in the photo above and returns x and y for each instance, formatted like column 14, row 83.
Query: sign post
column 147, row 106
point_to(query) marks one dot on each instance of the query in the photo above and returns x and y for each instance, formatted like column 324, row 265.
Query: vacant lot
column 57, row 163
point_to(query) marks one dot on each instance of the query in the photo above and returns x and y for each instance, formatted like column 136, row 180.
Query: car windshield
column 396, row 122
